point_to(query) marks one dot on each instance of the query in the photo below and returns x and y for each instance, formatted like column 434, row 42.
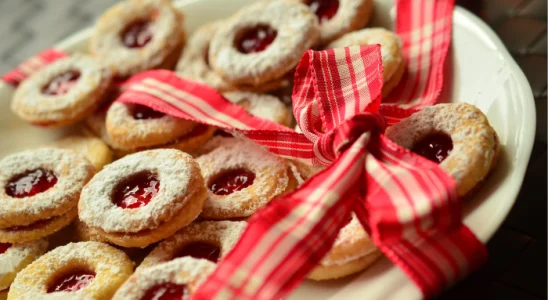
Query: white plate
column 479, row 71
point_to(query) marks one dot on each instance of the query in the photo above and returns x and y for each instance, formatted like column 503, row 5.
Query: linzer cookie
column 138, row 35
column 457, row 136
column 135, row 126
column 194, row 64
column 63, row 92
column 86, row 270
column 40, row 191
column 338, row 17
column 15, row 257
column 242, row 177
column 263, row 42
column 352, row 252
column 143, row 198
column 391, row 51
column 176, row 279
column 210, row 240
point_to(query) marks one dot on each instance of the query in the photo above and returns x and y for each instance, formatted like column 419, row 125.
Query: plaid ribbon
column 407, row 204
column 30, row 66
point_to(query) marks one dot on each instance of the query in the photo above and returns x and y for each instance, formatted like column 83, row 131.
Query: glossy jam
column 136, row 191
column 256, row 39
column 200, row 250
column 141, row 112
column 4, row 247
column 324, row 9
column 232, row 181
column 137, row 34
column 167, row 291
column 31, row 183
column 72, row 282
column 435, row 147
column 61, row 84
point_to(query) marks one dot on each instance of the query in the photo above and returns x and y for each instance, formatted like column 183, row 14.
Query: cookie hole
column 167, row 291
column 324, row 9
column 72, row 281
column 231, row 181
column 141, row 112
column 136, row 190
column 203, row 250
column 137, row 33
column 4, row 247
column 30, row 183
column 255, row 39
column 61, row 84
column 435, row 146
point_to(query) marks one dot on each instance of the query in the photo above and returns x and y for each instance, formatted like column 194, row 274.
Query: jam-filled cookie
column 143, row 198
column 263, row 42
column 137, row 35
column 40, row 191
column 62, row 93
column 94, row 149
column 136, row 126
column 262, row 105
column 210, row 240
column 15, row 257
column 242, row 177
column 352, row 252
column 96, row 123
column 457, row 136
column 176, row 279
column 338, row 17
column 86, row 270
column 391, row 51
column 194, row 64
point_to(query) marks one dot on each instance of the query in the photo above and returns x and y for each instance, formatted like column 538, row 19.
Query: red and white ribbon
column 407, row 204
column 32, row 65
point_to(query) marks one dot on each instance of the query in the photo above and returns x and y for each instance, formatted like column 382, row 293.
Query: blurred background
column 517, row 267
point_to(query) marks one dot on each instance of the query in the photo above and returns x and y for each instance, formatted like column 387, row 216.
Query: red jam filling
column 61, row 84
column 31, row 226
column 200, row 250
column 167, row 291
column 324, row 9
column 232, row 181
column 136, row 191
column 137, row 34
column 141, row 112
column 257, row 39
column 435, row 147
column 72, row 282
column 31, row 183
column 4, row 247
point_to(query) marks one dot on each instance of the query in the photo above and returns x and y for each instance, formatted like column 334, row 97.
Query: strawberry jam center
column 61, row 84
column 257, row 39
column 31, row 183
column 200, row 250
column 232, row 181
column 324, row 9
column 141, row 112
column 136, row 191
column 137, row 34
column 4, row 247
column 72, row 282
column 167, row 291
column 435, row 147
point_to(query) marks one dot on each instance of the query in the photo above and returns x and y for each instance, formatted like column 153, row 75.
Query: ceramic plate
column 479, row 71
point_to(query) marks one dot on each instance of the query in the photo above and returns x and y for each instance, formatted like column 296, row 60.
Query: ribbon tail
column 285, row 241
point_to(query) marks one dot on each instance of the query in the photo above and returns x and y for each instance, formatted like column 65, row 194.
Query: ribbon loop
column 332, row 144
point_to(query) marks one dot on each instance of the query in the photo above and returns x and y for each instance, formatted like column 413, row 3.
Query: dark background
column 517, row 266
